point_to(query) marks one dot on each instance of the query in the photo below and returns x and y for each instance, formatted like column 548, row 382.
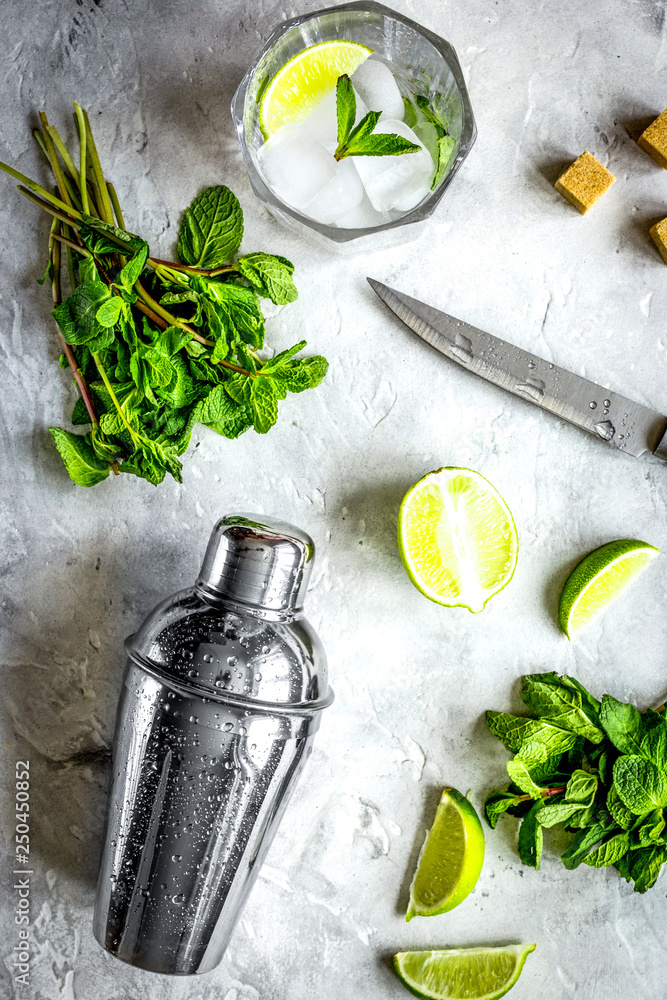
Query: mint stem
column 56, row 295
column 544, row 793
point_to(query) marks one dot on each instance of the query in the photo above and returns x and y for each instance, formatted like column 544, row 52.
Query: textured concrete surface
column 80, row 568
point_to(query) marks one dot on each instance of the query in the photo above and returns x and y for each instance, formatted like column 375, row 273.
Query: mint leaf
column 430, row 113
column 224, row 414
column 651, row 828
column 346, row 108
column 300, row 374
column 622, row 723
column 558, row 812
column 235, row 311
column 586, row 841
column 81, row 462
column 531, row 837
column 131, row 272
column 84, row 303
column 562, row 701
column 88, row 270
column 644, row 866
column 579, row 796
column 171, row 340
column 151, row 461
column 498, row 803
column 513, row 730
column 609, row 852
column 270, row 276
column 264, row 405
column 278, row 360
column 212, row 229
column 618, row 810
column 102, row 238
column 445, row 146
column 109, row 312
column 641, row 786
column 654, row 745
column 532, row 764
column 239, row 388
column 360, row 141
column 445, row 143
column 581, row 788
column 181, row 390
column 80, row 414
column 363, row 143
column 159, row 368
column 409, row 115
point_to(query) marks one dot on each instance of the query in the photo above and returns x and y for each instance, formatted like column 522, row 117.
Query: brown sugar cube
column 584, row 182
column 658, row 234
column 654, row 140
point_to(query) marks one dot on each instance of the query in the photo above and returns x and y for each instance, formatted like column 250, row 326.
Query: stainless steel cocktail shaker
column 222, row 696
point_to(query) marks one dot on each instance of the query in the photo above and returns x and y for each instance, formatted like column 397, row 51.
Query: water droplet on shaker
column 606, row 402
column 593, row 405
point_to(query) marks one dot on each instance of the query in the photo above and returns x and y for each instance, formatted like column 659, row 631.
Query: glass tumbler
column 422, row 63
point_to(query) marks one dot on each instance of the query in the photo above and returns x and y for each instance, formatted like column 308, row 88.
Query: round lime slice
column 450, row 860
column 304, row 81
column 462, row 973
column 599, row 578
column 457, row 538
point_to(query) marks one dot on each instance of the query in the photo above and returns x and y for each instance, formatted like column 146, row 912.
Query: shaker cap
column 258, row 561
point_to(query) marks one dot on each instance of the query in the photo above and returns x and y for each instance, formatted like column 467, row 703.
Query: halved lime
column 462, row 973
column 600, row 577
column 450, row 860
column 457, row 538
column 304, row 81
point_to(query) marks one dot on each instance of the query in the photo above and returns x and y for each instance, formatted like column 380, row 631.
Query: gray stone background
column 81, row 568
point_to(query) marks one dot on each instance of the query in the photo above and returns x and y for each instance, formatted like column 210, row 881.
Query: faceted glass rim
column 422, row 211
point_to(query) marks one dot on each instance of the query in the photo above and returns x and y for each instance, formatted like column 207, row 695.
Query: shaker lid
column 258, row 561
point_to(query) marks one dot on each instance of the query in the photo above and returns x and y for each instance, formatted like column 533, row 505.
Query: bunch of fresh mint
column 156, row 346
column 597, row 767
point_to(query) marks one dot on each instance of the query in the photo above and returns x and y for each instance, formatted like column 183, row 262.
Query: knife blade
column 612, row 418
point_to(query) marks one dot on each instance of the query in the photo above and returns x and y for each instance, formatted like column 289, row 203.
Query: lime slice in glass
column 600, row 577
column 304, row 81
column 462, row 973
column 457, row 538
column 450, row 860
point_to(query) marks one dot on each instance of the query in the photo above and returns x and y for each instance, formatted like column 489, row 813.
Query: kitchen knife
column 612, row 418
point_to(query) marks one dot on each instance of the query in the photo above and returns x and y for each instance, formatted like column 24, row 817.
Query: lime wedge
column 462, row 973
column 304, row 81
column 457, row 538
column 600, row 577
column 450, row 860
